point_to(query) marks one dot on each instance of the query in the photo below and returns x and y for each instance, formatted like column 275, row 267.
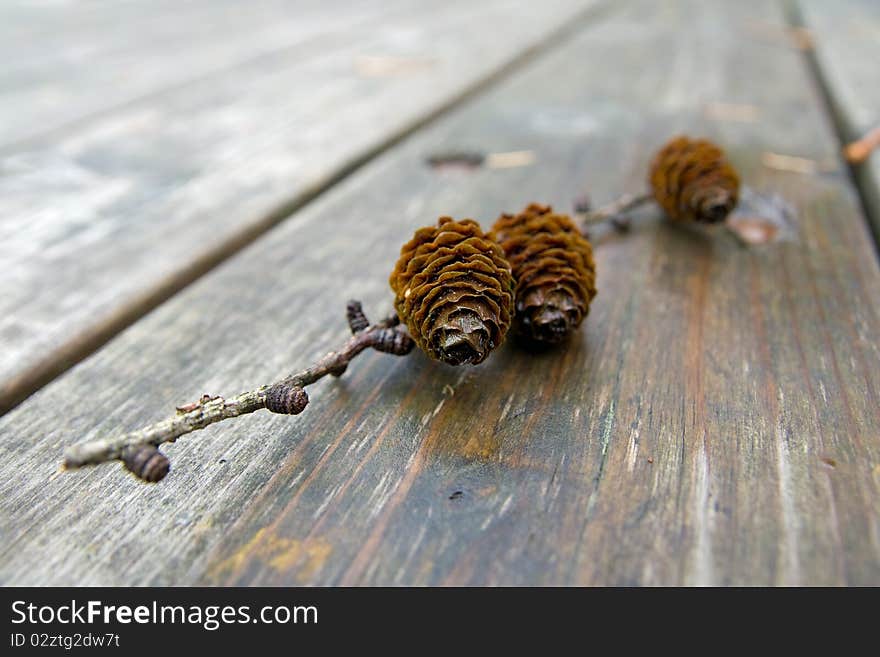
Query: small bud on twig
column 286, row 399
column 394, row 342
column 357, row 321
column 146, row 462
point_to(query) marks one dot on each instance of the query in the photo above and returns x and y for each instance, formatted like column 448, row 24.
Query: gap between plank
column 795, row 19
column 79, row 347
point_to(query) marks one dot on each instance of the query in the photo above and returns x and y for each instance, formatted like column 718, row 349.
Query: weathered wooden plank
column 716, row 421
column 846, row 36
column 64, row 63
column 103, row 222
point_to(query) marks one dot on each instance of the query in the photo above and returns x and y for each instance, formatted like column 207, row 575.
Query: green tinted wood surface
column 715, row 422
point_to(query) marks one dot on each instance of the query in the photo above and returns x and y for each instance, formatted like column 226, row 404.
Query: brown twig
column 138, row 449
column 858, row 151
column 613, row 211
column 795, row 164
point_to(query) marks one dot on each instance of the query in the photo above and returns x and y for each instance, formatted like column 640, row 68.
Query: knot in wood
column 146, row 462
column 553, row 270
column 286, row 398
column 454, row 290
column 692, row 181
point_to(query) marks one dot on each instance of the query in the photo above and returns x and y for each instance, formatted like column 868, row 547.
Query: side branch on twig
column 138, row 449
column 614, row 211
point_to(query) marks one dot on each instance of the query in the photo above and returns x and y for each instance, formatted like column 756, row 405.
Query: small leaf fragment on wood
column 762, row 218
column 795, row 164
column 752, row 231
column 510, row 160
column 693, row 181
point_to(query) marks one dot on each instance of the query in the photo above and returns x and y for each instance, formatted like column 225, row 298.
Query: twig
column 138, row 449
column 612, row 212
column 858, row 151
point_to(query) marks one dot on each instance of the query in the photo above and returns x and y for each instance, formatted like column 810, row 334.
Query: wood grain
column 847, row 48
column 65, row 63
column 715, row 422
column 104, row 218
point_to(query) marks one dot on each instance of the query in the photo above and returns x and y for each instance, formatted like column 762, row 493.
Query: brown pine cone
column 553, row 269
column 454, row 291
column 693, row 181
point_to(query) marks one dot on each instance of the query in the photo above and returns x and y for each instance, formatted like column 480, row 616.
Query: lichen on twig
column 138, row 450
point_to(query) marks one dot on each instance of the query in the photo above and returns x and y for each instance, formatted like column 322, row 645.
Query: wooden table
column 189, row 193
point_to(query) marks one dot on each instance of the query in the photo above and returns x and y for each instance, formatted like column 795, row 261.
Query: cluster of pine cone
column 455, row 285
column 459, row 290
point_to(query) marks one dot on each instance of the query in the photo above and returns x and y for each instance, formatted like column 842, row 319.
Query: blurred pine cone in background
column 454, row 291
column 553, row 269
column 692, row 181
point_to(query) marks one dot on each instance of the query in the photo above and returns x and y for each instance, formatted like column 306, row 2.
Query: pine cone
column 454, row 291
column 692, row 181
column 554, row 272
